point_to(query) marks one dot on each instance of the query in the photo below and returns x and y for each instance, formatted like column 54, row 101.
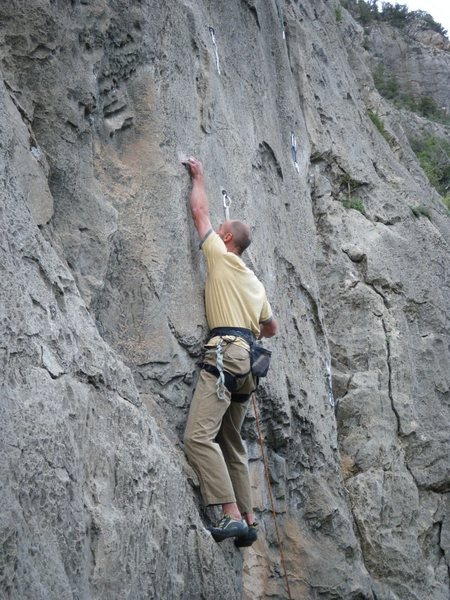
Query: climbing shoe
column 228, row 527
column 248, row 538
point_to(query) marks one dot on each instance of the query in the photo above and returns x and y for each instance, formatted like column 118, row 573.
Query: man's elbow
column 269, row 329
column 199, row 214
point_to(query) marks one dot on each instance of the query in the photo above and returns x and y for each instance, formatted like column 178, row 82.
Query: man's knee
column 192, row 443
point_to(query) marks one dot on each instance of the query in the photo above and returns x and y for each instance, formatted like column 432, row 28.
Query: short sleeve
column 266, row 312
column 213, row 247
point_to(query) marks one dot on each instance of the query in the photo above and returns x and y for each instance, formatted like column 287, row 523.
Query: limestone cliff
column 102, row 317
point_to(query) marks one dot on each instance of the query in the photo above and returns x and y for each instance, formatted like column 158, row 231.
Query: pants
column 212, row 438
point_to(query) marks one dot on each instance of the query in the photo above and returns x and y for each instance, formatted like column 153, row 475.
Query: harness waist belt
column 230, row 382
column 246, row 334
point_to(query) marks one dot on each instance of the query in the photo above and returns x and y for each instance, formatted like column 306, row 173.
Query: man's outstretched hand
column 194, row 166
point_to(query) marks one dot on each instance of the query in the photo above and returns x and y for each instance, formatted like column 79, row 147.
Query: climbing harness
column 259, row 362
column 230, row 383
column 213, row 38
column 226, row 380
column 294, row 151
column 226, row 204
column 243, row 332
column 259, row 356
column 269, row 486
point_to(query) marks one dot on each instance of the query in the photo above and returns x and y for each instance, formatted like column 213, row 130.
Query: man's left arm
column 268, row 329
column 267, row 324
column 198, row 199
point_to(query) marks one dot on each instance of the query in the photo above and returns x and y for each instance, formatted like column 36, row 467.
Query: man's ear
column 228, row 237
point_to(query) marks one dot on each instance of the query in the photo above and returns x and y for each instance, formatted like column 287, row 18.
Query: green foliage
column 355, row 203
column 397, row 15
column 434, row 156
column 421, row 210
column 428, row 108
column 446, row 203
column 338, row 13
column 406, row 102
column 376, row 120
column 428, row 21
column 385, row 83
column 363, row 11
column 423, row 106
column 366, row 12
column 389, row 88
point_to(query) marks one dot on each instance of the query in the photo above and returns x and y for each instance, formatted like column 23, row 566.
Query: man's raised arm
column 199, row 199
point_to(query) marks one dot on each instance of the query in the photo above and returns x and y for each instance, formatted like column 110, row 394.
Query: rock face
column 419, row 61
column 102, row 317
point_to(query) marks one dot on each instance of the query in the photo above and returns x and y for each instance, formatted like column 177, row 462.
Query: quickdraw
column 281, row 19
column 329, row 379
column 226, row 204
column 213, row 38
column 294, row 151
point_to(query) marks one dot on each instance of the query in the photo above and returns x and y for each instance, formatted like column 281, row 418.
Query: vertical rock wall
column 102, row 318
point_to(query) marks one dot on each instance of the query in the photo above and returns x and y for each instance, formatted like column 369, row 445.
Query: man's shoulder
column 212, row 244
column 209, row 233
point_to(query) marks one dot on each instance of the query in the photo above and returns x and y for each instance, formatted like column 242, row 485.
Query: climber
column 237, row 312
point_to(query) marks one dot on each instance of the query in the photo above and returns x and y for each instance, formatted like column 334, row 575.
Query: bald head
column 242, row 235
column 236, row 236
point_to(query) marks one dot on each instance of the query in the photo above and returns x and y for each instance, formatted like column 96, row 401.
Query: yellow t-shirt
column 234, row 296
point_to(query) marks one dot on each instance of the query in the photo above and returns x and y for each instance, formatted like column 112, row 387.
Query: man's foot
column 228, row 527
column 248, row 538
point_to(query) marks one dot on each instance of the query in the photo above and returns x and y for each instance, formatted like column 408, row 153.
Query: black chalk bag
column 259, row 360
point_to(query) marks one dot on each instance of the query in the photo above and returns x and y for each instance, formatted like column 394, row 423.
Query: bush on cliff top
column 397, row 15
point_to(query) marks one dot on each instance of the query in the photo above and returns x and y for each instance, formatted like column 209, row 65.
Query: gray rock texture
column 102, row 317
column 417, row 58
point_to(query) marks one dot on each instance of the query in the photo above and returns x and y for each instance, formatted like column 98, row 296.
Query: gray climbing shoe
column 248, row 538
column 228, row 527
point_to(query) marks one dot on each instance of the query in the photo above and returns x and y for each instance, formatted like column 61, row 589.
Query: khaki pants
column 212, row 438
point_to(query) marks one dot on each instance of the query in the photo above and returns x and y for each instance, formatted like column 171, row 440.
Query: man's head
column 236, row 236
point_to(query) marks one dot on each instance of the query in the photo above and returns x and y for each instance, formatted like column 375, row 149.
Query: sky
column 438, row 9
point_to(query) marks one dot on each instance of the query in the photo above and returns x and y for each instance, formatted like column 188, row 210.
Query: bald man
column 237, row 312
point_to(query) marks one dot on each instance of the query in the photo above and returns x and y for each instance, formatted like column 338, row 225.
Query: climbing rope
column 226, row 204
column 220, row 384
column 269, row 486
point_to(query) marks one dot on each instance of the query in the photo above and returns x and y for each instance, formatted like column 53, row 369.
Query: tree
column 396, row 14
column 428, row 21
